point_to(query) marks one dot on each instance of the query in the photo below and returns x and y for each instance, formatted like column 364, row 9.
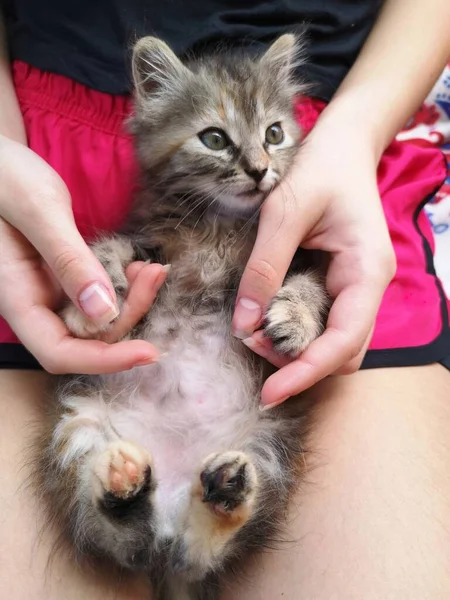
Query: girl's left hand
column 329, row 202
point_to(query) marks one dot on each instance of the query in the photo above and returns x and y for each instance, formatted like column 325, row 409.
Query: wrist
column 11, row 120
column 350, row 117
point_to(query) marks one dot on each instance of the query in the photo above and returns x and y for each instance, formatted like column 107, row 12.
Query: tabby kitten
column 172, row 468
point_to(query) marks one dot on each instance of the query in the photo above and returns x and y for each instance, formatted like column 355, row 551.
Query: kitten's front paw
column 115, row 254
column 122, row 472
column 291, row 322
column 80, row 326
column 229, row 483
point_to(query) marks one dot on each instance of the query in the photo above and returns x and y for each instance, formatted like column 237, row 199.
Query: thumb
column 82, row 276
column 54, row 234
column 278, row 238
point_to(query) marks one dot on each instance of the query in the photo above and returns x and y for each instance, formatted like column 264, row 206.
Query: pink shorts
column 81, row 134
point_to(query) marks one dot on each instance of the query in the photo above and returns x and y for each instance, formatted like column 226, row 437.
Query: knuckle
column 52, row 366
column 381, row 266
column 56, row 361
column 350, row 367
column 65, row 263
column 262, row 275
column 387, row 262
column 351, row 347
column 353, row 351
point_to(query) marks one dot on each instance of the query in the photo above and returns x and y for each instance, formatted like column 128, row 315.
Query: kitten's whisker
column 248, row 224
column 194, row 207
column 285, row 200
column 197, row 204
column 208, row 206
column 286, row 182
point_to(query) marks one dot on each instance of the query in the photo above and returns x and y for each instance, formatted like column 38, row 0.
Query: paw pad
column 123, row 469
column 229, row 480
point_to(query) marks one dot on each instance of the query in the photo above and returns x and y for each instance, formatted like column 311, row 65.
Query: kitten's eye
column 214, row 139
column 274, row 134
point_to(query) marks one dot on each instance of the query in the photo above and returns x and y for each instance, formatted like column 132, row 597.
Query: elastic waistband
column 68, row 98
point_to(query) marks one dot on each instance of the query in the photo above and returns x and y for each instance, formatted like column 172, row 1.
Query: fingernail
column 151, row 359
column 246, row 317
column 147, row 361
column 162, row 276
column 249, row 342
column 264, row 407
column 97, row 304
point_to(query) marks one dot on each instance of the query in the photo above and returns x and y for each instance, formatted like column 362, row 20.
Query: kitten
column 172, row 468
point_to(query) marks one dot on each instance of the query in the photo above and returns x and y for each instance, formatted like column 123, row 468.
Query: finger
column 279, row 233
column 49, row 225
column 133, row 269
column 351, row 318
column 147, row 281
column 263, row 347
column 46, row 337
column 354, row 365
column 95, row 357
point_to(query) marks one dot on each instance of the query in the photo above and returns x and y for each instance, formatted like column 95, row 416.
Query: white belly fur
column 183, row 408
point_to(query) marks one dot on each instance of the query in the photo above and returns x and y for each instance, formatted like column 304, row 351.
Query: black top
column 90, row 40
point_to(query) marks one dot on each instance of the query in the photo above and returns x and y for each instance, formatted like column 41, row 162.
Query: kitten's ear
column 282, row 56
column 155, row 66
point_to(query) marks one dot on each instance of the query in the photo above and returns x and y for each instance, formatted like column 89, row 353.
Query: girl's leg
column 25, row 549
column 373, row 520
column 370, row 523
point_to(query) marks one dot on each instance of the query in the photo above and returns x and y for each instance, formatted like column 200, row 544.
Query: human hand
column 328, row 202
column 43, row 255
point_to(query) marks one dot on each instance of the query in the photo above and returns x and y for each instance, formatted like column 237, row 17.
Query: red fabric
column 81, row 134
column 410, row 314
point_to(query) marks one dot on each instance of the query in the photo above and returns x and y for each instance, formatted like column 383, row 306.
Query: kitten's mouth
column 241, row 203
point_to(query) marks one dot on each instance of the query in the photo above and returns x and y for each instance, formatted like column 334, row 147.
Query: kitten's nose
column 256, row 174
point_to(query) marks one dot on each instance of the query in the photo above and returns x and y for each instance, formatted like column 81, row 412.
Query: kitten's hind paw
column 229, row 483
column 222, row 501
column 122, row 472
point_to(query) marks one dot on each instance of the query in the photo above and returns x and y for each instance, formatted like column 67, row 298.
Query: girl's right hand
column 42, row 256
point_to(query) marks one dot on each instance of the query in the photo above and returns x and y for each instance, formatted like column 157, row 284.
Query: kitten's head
column 220, row 130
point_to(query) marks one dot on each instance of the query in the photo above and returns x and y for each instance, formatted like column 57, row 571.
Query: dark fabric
column 15, row 356
column 89, row 40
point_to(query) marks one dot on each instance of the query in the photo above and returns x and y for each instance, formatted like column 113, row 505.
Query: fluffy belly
column 198, row 400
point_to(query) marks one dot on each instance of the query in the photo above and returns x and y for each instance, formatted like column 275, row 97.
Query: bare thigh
column 372, row 521
column 24, row 547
